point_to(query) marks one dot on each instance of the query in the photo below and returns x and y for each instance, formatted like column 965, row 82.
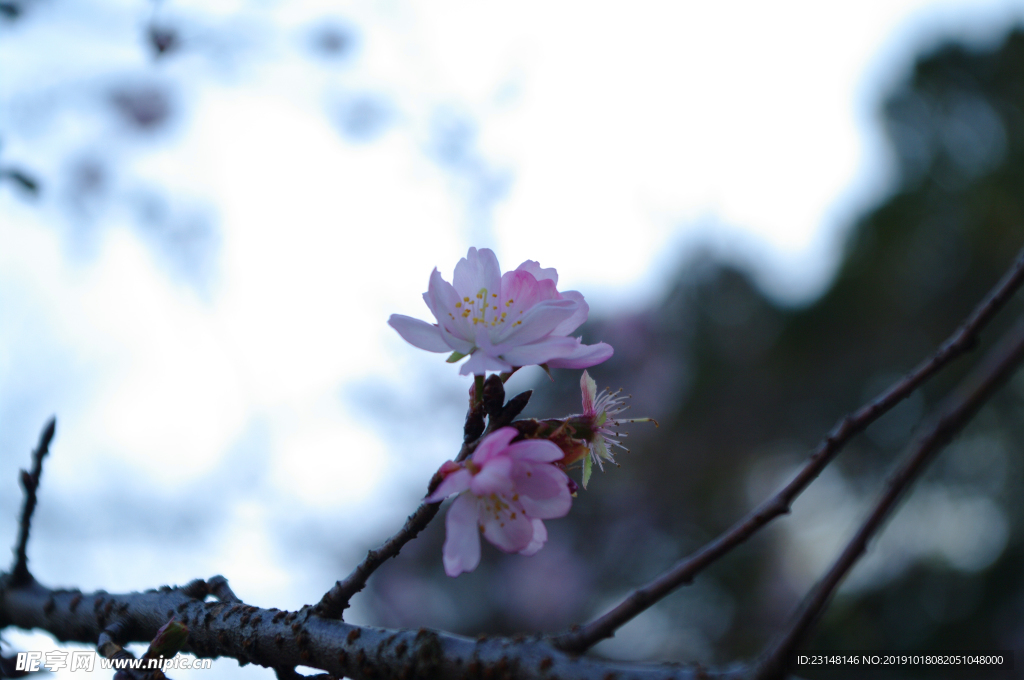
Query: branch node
column 219, row 588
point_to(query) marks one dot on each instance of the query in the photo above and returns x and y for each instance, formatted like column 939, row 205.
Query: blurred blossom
column 144, row 106
column 546, row 592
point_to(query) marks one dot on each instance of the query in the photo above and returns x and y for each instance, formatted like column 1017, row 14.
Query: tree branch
column 283, row 640
column 336, row 600
column 219, row 588
column 30, row 482
column 960, row 408
column 965, row 338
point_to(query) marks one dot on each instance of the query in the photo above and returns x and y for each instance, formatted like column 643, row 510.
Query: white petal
column 419, row 333
column 442, row 299
column 577, row 319
column 583, row 356
column 478, row 270
column 480, row 362
column 543, row 352
column 535, row 323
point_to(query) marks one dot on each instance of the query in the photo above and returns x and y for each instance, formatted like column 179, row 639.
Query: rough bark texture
column 280, row 639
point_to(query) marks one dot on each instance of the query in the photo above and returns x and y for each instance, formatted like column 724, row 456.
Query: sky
column 203, row 304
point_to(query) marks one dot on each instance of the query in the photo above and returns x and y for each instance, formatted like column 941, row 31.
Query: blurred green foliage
column 745, row 387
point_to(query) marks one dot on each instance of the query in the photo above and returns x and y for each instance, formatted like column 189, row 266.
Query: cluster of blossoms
column 516, row 477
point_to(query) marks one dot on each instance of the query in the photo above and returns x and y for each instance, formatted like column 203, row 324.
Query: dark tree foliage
column 744, row 386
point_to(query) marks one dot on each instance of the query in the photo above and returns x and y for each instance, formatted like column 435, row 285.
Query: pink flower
column 505, row 490
column 502, row 321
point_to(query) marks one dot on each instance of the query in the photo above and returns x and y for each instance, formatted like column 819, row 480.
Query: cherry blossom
column 502, row 321
column 505, row 491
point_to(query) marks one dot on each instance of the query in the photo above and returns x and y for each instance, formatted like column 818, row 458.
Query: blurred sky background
column 234, row 196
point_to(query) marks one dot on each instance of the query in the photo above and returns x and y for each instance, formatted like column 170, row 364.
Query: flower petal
column 479, row 269
column 589, row 388
column 494, row 478
column 462, row 538
column 545, row 351
column 536, row 323
column 539, row 273
column 577, row 319
column 493, row 444
column 480, row 362
column 442, row 299
column 535, row 450
column 456, row 482
column 507, row 533
column 458, row 344
column 521, row 291
column 583, row 356
column 419, row 333
column 540, row 537
column 543, row 490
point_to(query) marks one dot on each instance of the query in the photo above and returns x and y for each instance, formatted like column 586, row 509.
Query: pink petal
column 583, row 356
column 494, row 478
column 543, row 352
column 577, row 319
column 534, row 450
column 533, row 267
column 543, row 490
column 479, row 269
column 462, row 537
column 540, row 537
column 520, row 291
column 456, row 482
column 536, row 323
column 419, row 333
column 589, row 388
column 493, row 444
column 507, row 533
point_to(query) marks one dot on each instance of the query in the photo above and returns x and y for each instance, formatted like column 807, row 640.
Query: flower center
column 484, row 308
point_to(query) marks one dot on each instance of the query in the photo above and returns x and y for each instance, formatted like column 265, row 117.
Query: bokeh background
column 209, row 210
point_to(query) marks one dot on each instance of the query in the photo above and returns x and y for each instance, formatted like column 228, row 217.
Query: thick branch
column 283, row 640
column 964, row 339
column 30, row 481
column 959, row 410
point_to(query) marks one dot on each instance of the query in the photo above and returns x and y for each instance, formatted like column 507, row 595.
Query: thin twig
column 30, row 481
column 488, row 398
column 335, row 601
column 965, row 338
column 1000, row 363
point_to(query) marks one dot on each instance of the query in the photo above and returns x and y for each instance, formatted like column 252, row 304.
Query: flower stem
column 478, row 393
